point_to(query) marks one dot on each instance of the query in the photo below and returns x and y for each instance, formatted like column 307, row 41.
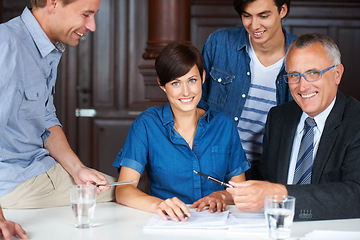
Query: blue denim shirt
column 153, row 142
column 28, row 63
column 228, row 75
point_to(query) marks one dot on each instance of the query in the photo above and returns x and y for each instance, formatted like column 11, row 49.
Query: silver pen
column 224, row 184
column 116, row 183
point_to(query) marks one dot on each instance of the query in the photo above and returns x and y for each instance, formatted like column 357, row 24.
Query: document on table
column 331, row 235
column 203, row 219
column 245, row 222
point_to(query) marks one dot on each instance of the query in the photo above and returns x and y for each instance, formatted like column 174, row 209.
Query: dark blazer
column 334, row 191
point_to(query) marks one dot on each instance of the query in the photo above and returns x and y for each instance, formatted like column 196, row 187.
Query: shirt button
column 243, row 96
column 236, row 118
column 248, row 73
column 219, row 80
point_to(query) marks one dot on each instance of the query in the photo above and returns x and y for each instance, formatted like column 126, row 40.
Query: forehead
column 194, row 71
column 85, row 5
column 308, row 58
column 259, row 5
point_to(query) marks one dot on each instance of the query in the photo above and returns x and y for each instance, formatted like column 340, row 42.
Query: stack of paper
column 234, row 223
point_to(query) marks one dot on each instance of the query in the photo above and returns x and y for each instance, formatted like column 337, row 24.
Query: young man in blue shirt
column 244, row 67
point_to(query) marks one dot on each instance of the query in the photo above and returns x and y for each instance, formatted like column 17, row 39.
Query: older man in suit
column 312, row 144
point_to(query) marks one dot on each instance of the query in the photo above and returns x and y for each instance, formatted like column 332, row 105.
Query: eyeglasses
column 309, row 76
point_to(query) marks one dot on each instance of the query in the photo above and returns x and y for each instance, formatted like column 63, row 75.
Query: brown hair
column 42, row 3
column 239, row 5
column 175, row 60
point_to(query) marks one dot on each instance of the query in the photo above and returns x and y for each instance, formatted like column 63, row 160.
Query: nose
column 90, row 24
column 303, row 84
column 255, row 23
column 186, row 90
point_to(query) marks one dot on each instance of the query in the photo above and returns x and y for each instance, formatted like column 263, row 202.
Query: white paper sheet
column 203, row 219
column 239, row 222
column 331, row 235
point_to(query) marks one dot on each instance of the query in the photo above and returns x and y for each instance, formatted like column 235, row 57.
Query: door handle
column 85, row 112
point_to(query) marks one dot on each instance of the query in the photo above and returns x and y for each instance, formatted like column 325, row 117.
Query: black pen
column 224, row 184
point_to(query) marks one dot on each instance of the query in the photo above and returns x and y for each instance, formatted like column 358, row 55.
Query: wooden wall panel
column 349, row 40
column 104, row 45
column 339, row 20
column 107, row 150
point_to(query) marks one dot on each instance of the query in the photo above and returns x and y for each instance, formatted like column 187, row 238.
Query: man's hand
column 249, row 196
column 86, row 175
column 9, row 229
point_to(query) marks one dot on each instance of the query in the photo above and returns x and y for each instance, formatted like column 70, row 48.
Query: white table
column 113, row 221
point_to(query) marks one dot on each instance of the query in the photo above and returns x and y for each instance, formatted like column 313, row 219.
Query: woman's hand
column 174, row 208
column 215, row 201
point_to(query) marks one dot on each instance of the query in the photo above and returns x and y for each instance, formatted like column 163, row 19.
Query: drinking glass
column 83, row 202
column 279, row 213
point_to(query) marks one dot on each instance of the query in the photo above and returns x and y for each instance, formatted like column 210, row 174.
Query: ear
column 283, row 11
column 158, row 81
column 51, row 5
column 339, row 70
column 203, row 77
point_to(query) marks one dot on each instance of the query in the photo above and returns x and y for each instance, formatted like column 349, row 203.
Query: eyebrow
column 192, row 76
column 295, row 72
column 187, row 78
column 260, row 13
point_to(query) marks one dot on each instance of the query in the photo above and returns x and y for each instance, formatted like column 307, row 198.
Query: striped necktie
column 305, row 158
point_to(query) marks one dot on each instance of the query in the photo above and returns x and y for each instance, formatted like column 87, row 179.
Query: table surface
column 114, row 221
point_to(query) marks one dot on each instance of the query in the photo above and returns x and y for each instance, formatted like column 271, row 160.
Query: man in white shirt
column 319, row 164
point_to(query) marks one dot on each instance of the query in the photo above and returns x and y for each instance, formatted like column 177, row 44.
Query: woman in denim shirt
column 177, row 138
column 244, row 67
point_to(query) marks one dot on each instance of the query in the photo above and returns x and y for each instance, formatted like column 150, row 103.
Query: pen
column 116, row 183
column 224, row 184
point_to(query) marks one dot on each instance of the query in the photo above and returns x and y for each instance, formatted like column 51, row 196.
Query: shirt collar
column 41, row 40
column 167, row 115
column 320, row 119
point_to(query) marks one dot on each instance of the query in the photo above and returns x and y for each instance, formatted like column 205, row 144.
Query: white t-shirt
column 261, row 97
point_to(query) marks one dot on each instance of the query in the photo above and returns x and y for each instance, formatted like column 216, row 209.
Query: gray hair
column 306, row 40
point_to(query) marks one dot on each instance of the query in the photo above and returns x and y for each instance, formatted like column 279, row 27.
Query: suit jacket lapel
column 328, row 138
column 289, row 125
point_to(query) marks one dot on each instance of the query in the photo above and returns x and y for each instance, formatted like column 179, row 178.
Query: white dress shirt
column 320, row 120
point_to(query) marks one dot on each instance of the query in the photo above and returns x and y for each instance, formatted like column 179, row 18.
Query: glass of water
column 279, row 213
column 83, row 202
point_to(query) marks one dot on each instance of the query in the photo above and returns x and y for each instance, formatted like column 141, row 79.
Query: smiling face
column 69, row 22
column 313, row 97
column 184, row 93
column 262, row 20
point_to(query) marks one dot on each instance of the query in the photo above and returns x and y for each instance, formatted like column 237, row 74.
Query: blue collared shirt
column 28, row 63
column 153, row 142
